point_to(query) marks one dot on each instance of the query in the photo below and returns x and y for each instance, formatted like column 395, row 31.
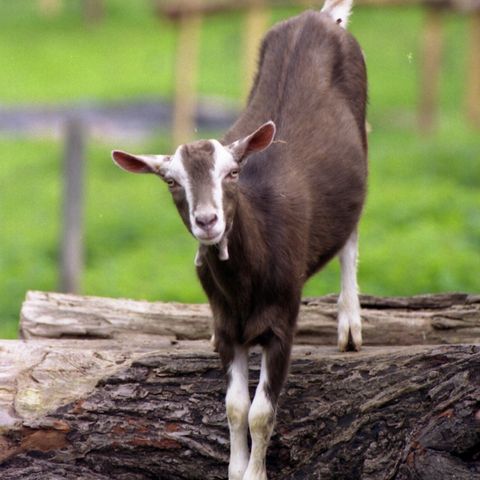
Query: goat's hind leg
column 349, row 320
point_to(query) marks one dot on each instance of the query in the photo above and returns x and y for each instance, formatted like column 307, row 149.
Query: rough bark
column 138, row 394
column 105, row 409
column 426, row 319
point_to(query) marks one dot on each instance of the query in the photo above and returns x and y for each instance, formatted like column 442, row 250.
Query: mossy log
column 148, row 406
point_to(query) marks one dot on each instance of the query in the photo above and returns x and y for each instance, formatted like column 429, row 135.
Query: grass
column 421, row 228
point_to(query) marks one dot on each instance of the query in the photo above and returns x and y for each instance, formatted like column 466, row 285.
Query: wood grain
column 132, row 411
column 425, row 319
column 130, row 390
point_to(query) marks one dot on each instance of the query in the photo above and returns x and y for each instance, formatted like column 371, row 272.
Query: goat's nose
column 206, row 221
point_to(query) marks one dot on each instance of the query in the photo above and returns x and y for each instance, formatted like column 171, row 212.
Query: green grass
column 421, row 228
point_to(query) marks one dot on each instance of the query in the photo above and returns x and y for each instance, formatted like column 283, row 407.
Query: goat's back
column 312, row 83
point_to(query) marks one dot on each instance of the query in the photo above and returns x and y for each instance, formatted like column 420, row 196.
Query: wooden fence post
column 72, row 227
column 256, row 23
column 473, row 88
column 186, row 74
column 430, row 68
column 50, row 8
column 94, row 11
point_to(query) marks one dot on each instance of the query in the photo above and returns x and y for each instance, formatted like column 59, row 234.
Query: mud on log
column 152, row 407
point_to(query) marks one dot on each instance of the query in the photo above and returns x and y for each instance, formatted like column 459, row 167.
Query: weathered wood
column 104, row 409
column 186, row 74
column 93, row 11
column 71, row 266
column 473, row 88
column 256, row 24
column 426, row 319
column 50, row 8
column 187, row 15
column 430, row 68
column 174, row 9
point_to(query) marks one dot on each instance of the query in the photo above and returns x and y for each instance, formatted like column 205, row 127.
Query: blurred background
column 79, row 78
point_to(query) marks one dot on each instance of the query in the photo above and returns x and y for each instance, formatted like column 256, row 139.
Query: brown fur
column 297, row 202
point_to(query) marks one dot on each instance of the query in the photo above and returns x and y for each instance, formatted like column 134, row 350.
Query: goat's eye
column 233, row 174
column 171, row 183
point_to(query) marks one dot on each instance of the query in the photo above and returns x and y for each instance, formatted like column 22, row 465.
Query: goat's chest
column 229, row 283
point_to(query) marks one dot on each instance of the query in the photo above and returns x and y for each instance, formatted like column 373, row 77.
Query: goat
column 269, row 214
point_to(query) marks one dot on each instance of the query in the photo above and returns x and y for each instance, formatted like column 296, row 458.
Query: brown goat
column 269, row 214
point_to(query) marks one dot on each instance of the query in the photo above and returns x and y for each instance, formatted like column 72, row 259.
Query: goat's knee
column 261, row 415
column 237, row 406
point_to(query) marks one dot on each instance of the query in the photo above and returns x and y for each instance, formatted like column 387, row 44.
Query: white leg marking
column 348, row 305
column 260, row 418
column 238, row 403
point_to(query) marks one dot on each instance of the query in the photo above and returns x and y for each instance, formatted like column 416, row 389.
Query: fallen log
column 116, row 389
column 418, row 320
column 104, row 409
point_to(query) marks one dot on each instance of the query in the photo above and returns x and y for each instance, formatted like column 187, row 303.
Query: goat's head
column 202, row 177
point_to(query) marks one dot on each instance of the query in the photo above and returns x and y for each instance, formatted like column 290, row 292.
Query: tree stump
column 121, row 400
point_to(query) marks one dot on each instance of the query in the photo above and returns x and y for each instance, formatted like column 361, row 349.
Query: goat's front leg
column 238, row 403
column 261, row 417
column 349, row 321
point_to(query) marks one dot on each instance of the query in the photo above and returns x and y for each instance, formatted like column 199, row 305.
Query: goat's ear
column 140, row 163
column 257, row 141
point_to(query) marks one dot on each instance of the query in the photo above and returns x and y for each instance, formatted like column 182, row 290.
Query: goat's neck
column 246, row 235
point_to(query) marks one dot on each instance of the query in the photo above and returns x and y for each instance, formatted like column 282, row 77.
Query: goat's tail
column 339, row 10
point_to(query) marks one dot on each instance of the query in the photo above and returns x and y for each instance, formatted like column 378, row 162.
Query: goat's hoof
column 235, row 476
column 249, row 475
column 355, row 337
column 237, row 472
column 349, row 330
column 351, row 342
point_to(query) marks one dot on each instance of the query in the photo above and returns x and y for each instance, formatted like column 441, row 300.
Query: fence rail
column 188, row 17
column 256, row 23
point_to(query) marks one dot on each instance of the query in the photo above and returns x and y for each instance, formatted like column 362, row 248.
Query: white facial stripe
column 223, row 163
column 217, row 179
column 176, row 169
column 179, row 174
